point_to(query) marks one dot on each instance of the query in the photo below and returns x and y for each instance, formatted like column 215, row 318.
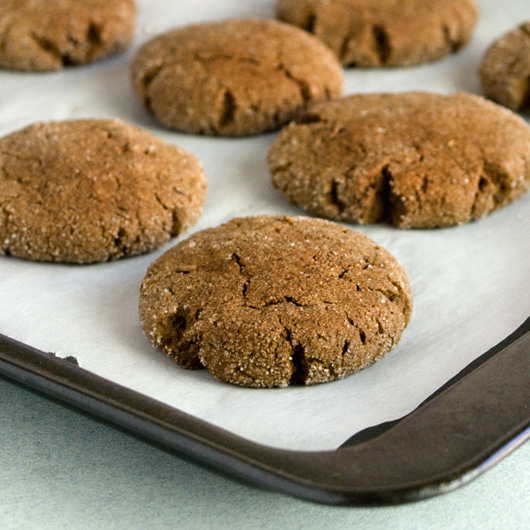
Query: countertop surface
column 61, row 469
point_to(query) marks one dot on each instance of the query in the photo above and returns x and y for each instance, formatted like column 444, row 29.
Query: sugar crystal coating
column 270, row 301
column 42, row 35
column 505, row 69
column 235, row 77
column 84, row 191
column 414, row 159
column 385, row 32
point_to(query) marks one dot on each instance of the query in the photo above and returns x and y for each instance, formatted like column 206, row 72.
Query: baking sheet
column 470, row 283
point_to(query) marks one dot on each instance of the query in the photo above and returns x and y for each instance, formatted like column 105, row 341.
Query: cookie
column 505, row 69
column 93, row 190
column 269, row 301
column 411, row 159
column 235, row 77
column 385, row 32
column 39, row 35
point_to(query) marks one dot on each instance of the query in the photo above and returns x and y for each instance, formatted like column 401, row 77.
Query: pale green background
column 62, row 470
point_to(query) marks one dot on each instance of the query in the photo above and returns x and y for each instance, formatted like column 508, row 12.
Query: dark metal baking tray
column 463, row 429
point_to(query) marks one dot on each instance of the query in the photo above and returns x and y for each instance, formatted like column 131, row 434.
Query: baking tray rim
column 455, row 435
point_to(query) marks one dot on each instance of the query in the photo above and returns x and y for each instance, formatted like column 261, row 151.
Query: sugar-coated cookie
column 270, row 301
column 505, row 69
column 93, row 190
column 412, row 159
column 385, row 32
column 235, row 77
column 40, row 35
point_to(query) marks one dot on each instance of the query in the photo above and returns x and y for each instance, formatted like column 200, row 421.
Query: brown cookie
column 93, row 190
column 505, row 69
column 385, row 32
column 412, row 159
column 234, row 78
column 43, row 35
column 272, row 300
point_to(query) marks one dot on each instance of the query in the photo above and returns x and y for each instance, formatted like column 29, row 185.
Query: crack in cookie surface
column 412, row 159
column 90, row 190
column 385, row 33
column 234, row 78
column 38, row 35
column 272, row 301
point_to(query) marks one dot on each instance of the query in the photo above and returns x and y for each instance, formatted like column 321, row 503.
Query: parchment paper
column 470, row 283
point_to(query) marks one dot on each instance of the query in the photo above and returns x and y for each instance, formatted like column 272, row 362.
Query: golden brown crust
column 42, row 35
column 93, row 190
column 413, row 159
column 505, row 69
column 236, row 77
column 273, row 300
column 385, row 32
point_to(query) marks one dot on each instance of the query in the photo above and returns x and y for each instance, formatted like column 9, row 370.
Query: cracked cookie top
column 93, row 190
column 412, row 159
column 505, row 69
column 385, row 32
column 235, row 77
column 40, row 35
column 270, row 301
